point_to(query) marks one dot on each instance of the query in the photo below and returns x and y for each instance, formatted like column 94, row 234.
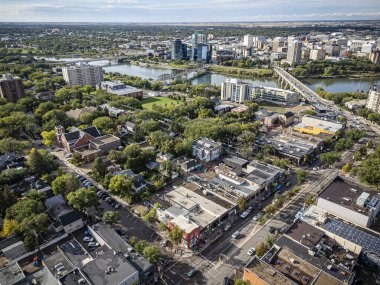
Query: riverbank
column 349, row 76
column 255, row 72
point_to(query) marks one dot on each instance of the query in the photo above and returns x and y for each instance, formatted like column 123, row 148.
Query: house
column 271, row 120
column 152, row 165
column 206, row 149
column 11, row 247
column 88, row 142
column 66, row 218
column 139, row 183
column 76, row 113
column 187, row 165
column 286, row 119
column 131, row 127
column 10, row 160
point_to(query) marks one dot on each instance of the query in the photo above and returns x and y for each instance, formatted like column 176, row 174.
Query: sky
column 186, row 10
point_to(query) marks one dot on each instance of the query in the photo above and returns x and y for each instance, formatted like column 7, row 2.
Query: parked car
column 288, row 184
column 108, row 198
column 251, row 251
column 272, row 230
column 250, row 208
column 227, row 227
column 93, row 244
column 284, row 215
column 88, row 239
column 164, row 243
column 244, row 214
column 117, row 206
column 192, row 272
column 236, row 235
column 257, row 217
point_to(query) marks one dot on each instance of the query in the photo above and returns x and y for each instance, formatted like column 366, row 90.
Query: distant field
column 148, row 103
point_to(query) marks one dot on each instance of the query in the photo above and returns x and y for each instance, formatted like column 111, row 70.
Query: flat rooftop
column 75, row 252
column 73, row 277
column 346, row 193
column 267, row 273
column 58, row 261
column 305, row 234
column 105, row 139
column 119, row 244
column 317, row 261
column 12, row 274
column 96, row 269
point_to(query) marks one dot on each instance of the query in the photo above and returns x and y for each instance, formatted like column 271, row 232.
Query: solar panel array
column 367, row 241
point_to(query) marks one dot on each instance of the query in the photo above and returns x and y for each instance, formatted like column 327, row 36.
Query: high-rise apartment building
column 294, row 52
column 197, row 38
column 11, row 88
column 83, row 74
column 278, row 42
column 248, row 40
column 204, row 52
column 235, row 91
column 178, row 50
column 373, row 101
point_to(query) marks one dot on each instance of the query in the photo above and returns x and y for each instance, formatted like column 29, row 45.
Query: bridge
column 182, row 74
column 288, row 81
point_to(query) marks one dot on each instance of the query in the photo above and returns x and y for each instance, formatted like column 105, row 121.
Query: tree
column 370, row 171
column 162, row 227
column 121, row 185
column 152, row 253
column 111, row 217
column 261, row 249
column 140, row 245
column 176, row 235
column 150, row 216
column 99, row 169
column 105, row 125
column 239, row 281
column 310, row 200
column 48, row 138
column 65, row 184
column 12, row 145
column 83, row 199
column 41, row 162
column 268, row 149
column 302, row 176
column 270, row 209
column 7, row 198
column 346, row 168
column 241, row 203
column 330, row 157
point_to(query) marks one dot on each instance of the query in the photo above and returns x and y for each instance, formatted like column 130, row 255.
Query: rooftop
column 267, row 273
column 104, row 139
column 119, row 244
column 74, row 277
column 58, row 264
column 11, row 274
column 207, row 143
column 350, row 195
column 120, row 270
column 75, row 252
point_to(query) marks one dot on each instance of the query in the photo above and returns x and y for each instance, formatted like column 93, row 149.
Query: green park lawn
column 148, row 103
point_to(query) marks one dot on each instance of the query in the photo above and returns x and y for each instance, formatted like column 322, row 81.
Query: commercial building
column 206, row 149
column 204, row 52
column 120, row 89
column 178, row 50
column 11, row 88
column 294, row 52
column 317, row 54
column 263, row 174
column 373, row 101
column 352, row 237
column 197, row 38
column 315, row 126
column 275, row 95
column 198, row 212
column 279, row 44
column 83, row 74
column 350, row 201
column 235, row 90
column 12, row 274
column 374, row 56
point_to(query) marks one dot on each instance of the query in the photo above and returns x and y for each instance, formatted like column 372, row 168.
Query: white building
column 350, row 202
column 275, row 95
column 317, row 54
column 294, row 52
column 248, row 40
column 206, row 149
column 235, row 91
column 373, row 101
column 83, row 74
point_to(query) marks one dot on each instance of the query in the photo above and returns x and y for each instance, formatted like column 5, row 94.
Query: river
column 331, row 85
